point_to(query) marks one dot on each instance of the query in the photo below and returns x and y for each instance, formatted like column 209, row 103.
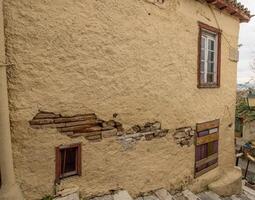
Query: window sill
column 207, row 86
column 69, row 174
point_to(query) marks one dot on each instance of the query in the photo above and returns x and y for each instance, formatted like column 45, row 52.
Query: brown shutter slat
column 208, row 125
column 206, row 160
column 206, row 139
column 206, row 170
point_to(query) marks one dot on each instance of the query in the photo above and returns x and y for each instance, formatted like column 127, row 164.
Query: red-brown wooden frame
column 218, row 32
column 58, row 159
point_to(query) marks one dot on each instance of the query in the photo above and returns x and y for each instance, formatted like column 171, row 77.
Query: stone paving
column 162, row 194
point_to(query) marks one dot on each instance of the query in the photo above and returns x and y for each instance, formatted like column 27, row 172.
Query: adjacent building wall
column 134, row 58
column 248, row 131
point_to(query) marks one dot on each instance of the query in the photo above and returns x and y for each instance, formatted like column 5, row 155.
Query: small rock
column 179, row 135
column 110, row 123
column 136, row 128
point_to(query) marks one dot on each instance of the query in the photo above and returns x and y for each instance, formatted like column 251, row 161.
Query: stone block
column 230, row 183
column 150, row 197
column 122, row 195
column 149, row 136
column 68, row 194
column 109, row 133
column 163, row 194
column 105, row 197
column 190, row 195
column 95, row 136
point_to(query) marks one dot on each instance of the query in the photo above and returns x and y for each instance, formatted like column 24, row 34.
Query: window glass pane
column 211, row 56
column 210, row 68
column 68, row 160
column 215, row 77
column 211, row 45
column 63, row 155
column 210, row 77
column 202, row 77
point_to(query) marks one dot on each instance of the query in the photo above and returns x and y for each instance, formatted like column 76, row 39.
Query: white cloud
column 247, row 51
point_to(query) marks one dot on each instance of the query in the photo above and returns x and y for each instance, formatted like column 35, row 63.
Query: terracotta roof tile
column 233, row 8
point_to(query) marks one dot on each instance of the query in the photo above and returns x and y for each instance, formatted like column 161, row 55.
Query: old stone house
column 136, row 94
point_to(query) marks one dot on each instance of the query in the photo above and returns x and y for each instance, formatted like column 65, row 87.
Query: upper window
column 68, row 160
column 209, row 56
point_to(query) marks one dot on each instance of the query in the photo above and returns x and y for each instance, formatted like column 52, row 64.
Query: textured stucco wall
column 127, row 57
column 248, row 131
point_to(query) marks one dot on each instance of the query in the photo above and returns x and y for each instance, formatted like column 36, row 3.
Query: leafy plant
column 243, row 110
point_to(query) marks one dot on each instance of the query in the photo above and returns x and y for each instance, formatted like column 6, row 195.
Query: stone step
column 180, row 196
column 250, row 193
column 105, row 197
column 139, row 198
column 240, row 197
column 150, row 197
column 190, row 195
column 163, row 194
column 208, row 195
column 122, row 195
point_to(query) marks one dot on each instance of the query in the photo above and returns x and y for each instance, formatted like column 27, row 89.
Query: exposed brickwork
column 87, row 125
column 95, row 129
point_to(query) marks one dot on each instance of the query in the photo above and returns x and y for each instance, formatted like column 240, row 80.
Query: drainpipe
column 9, row 189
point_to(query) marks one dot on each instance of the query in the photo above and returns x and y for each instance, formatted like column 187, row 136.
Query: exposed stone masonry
column 95, row 129
column 184, row 136
column 87, row 125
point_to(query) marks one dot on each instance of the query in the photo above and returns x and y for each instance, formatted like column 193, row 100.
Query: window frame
column 59, row 174
column 217, row 32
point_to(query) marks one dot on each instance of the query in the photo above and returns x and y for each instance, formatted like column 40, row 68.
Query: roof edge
column 233, row 8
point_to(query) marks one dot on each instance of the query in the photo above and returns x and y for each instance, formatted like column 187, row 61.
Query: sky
column 247, row 50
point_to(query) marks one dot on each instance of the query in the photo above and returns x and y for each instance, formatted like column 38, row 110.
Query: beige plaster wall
column 131, row 57
column 248, row 131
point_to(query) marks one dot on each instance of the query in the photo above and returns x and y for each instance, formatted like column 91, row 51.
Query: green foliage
column 47, row 197
column 244, row 111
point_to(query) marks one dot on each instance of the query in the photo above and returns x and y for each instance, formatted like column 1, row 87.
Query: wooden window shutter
column 206, row 150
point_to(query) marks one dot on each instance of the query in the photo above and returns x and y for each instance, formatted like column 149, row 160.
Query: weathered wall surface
column 131, row 57
column 248, row 131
